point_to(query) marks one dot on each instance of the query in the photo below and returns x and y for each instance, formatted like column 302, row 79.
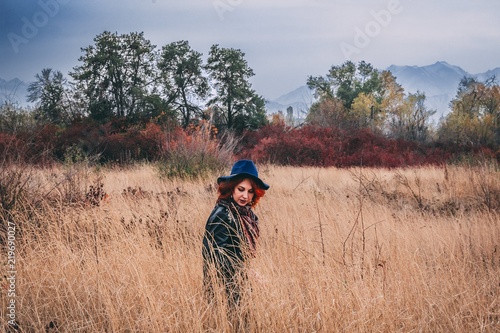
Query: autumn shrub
column 364, row 148
column 153, row 140
column 37, row 146
column 31, row 181
column 195, row 152
column 329, row 146
column 10, row 147
column 85, row 135
column 113, row 142
column 313, row 146
column 13, row 190
column 21, row 194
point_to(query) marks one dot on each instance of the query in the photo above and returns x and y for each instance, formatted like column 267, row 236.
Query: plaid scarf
column 247, row 219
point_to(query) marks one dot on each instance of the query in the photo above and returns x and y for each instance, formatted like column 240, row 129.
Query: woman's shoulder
column 220, row 212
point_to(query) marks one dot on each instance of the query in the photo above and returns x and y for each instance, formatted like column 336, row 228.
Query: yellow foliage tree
column 364, row 112
column 475, row 116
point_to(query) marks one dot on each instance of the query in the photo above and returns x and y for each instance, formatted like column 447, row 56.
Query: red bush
column 11, row 148
column 113, row 141
column 326, row 146
column 277, row 144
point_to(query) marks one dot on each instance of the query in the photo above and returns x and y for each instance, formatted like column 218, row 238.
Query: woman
column 232, row 230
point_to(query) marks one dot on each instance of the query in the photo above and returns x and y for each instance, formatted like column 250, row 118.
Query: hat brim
column 243, row 175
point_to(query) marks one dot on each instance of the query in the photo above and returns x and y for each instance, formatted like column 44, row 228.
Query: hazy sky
column 284, row 41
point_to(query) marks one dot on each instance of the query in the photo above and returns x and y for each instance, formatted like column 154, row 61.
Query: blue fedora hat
column 244, row 169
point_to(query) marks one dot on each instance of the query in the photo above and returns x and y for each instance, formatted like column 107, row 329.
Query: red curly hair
column 226, row 189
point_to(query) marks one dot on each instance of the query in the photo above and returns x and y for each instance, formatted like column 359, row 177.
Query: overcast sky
column 284, row 41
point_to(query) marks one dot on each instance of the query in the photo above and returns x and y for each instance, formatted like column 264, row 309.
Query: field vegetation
column 377, row 220
column 103, row 249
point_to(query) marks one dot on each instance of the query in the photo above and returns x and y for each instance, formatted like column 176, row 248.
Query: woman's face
column 243, row 193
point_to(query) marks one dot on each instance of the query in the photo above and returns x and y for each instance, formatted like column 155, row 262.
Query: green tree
column 361, row 90
column 347, row 81
column 252, row 116
column 236, row 102
column 181, row 75
column 49, row 94
column 116, row 75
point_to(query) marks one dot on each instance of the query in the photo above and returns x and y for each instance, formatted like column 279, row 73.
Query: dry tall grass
column 360, row 250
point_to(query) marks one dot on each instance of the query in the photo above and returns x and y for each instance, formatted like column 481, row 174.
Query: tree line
column 125, row 76
column 126, row 92
column 355, row 96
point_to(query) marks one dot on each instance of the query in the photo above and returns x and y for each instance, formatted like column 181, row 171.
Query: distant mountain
column 488, row 74
column 439, row 78
column 13, row 91
column 438, row 81
column 299, row 99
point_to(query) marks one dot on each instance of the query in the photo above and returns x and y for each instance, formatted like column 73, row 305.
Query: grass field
column 357, row 250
